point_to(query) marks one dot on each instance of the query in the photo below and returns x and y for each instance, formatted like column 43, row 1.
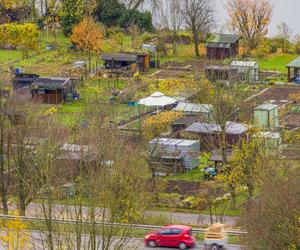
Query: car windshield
column 190, row 232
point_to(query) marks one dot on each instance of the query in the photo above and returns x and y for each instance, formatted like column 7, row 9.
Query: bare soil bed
column 190, row 68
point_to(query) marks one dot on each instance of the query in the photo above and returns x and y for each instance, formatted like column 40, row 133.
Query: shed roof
column 119, row 57
column 267, row 106
column 207, row 128
column 193, row 107
column 268, row 135
column 222, row 40
column 185, row 120
column 170, row 141
column 49, row 83
column 244, row 64
column 295, row 63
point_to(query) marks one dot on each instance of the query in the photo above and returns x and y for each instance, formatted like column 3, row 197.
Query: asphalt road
column 197, row 247
column 61, row 211
column 38, row 242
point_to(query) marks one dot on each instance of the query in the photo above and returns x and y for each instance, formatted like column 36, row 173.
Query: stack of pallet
column 215, row 232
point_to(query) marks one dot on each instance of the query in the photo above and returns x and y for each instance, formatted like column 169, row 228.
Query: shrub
column 147, row 37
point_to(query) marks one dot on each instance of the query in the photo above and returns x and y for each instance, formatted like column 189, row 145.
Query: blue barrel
column 19, row 71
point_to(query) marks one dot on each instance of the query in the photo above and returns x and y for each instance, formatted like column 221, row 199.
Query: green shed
column 266, row 116
column 293, row 69
column 272, row 142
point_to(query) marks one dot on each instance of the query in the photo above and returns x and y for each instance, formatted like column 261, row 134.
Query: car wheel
column 182, row 246
column 214, row 247
column 151, row 243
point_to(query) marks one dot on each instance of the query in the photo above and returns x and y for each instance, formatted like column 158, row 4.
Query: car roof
column 177, row 227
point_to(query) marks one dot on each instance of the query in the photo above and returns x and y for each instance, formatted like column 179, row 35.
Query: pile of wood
column 215, row 232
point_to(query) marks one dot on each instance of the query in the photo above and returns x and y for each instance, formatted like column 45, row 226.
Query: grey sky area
column 287, row 11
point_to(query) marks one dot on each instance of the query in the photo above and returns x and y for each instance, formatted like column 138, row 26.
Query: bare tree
column 5, row 164
column 272, row 218
column 172, row 19
column 199, row 17
column 22, row 154
column 284, row 34
column 250, row 18
column 136, row 4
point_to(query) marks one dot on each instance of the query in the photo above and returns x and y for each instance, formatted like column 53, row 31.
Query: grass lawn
column 185, row 52
column 276, row 62
column 193, row 175
column 9, row 55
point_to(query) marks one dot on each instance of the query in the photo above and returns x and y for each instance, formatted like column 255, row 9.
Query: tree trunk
column 92, row 232
column 233, row 196
column 250, row 190
column 22, row 206
column 49, row 222
column 196, row 41
column 3, row 187
column 224, row 146
column 174, row 43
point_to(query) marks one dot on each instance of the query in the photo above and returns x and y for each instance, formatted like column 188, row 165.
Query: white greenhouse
column 248, row 70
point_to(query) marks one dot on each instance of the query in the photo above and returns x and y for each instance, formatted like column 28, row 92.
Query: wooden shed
column 53, row 90
column 21, row 81
column 220, row 46
column 294, row 70
column 210, row 134
column 123, row 60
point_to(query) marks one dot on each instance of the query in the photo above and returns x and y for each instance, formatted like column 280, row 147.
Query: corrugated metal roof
column 119, row 57
column 267, row 106
column 207, row 128
column 268, row 135
column 222, row 40
column 244, row 64
column 295, row 63
column 49, row 83
column 193, row 107
column 170, row 141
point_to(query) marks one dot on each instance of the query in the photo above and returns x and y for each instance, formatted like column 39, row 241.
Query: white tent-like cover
column 157, row 99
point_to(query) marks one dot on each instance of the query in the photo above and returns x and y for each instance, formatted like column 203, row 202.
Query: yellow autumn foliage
column 14, row 235
column 154, row 125
column 88, row 35
column 51, row 111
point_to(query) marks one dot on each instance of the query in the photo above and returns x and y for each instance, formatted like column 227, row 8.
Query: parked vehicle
column 215, row 238
column 171, row 236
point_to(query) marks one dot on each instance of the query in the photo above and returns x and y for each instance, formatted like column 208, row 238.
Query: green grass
column 276, row 62
column 193, row 175
column 9, row 55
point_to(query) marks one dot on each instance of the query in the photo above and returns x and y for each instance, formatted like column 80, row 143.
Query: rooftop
column 119, row 57
column 185, row 120
column 222, row 40
column 207, row 128
column 244, row 64
column 269, row 135
column 170, row 141
column 193, row 107
column 49, row 83
column 267, row 106
column 295, row 63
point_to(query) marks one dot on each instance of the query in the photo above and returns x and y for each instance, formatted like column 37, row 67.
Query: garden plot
column 186, row 69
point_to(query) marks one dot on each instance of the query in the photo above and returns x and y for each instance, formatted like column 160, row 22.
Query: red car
column 171, row 236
